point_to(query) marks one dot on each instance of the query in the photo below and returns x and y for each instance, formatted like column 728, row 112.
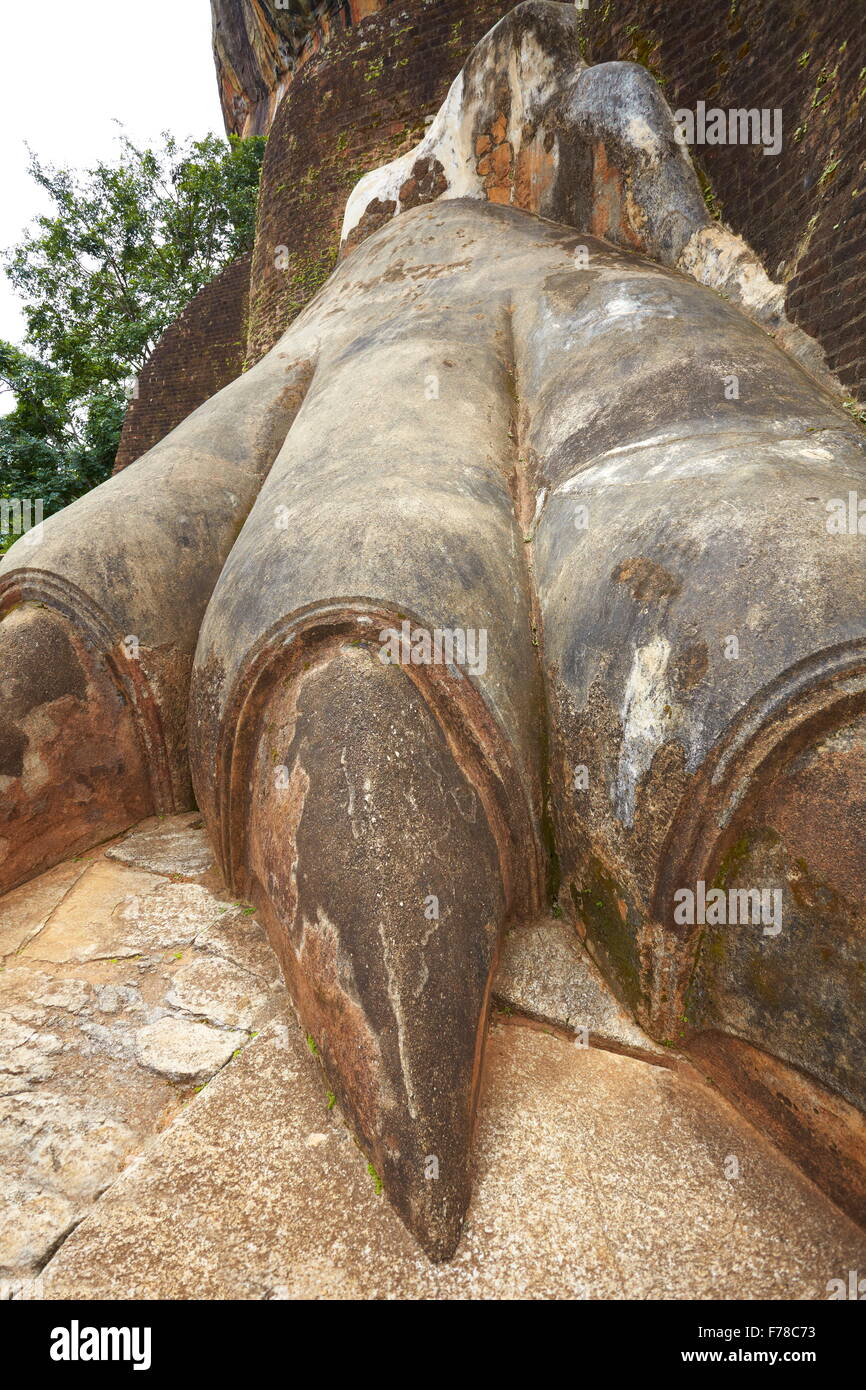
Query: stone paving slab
column 175, row 845
column 545, row 971
column 121, row 991
column 165, row 1132
column 25, row 910
column 599, row 1176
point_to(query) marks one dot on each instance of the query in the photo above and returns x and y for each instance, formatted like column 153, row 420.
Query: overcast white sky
column 70, row 68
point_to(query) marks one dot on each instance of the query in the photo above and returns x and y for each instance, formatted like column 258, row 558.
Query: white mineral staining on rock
column 476, row 146
column 718, row 258
column 643, row 137
column 647, row 720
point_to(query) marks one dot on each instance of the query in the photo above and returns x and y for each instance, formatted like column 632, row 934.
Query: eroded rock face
column 97, row 635
column 579, row 406
column 511, row 580
column 259, row 45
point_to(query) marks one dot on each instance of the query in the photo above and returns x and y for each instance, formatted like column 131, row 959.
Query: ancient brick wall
column 359, row 104
column 362, row 99
column 803, row 210
column 198, row 354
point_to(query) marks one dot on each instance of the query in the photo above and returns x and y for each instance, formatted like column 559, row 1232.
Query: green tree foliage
column 124, row 249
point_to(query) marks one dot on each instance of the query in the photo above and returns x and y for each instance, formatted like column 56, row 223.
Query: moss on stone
column 733, row 861
column 604, row 909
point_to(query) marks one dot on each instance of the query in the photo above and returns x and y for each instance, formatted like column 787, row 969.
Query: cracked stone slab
column 183, row 1050
column 32, row 1223
column 241, row 939
column 172, row 915
column 220, row 992
column 545, row 971
column 95, row 953
column 88, row 927
column 61, row 1144
column 116, row 911
column 175, row 845
column 24, row 911
column 26, row 1053
column 599, row 1176
column 57, row 1154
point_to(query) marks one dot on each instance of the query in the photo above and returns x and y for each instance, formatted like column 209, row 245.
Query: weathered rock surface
column 257, row 47
column 587, row 472
column 598, row 1177
column 25, row 911
column 183, row 1050
column 546, row 973
column 182, row 853
column 109, row 1016
column 64, row 785
column 218, row 990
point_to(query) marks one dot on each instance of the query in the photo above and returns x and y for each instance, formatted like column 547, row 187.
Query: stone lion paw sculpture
column 483, row 590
